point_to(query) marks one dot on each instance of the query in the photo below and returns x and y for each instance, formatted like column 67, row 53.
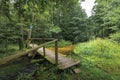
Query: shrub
column 102, row 53
column 115, row 37
column 99, row 47
column 24, row 76
column 61, row 43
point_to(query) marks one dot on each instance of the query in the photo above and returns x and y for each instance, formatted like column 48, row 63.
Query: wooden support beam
column 44, row 50
column 42, row 39
column 56, row 52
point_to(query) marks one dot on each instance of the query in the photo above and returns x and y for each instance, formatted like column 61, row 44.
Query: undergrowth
column 61, row 43
column 103, row 54
column 12, row 49
column 47, row 71
column 12, row 69
column 99, row 60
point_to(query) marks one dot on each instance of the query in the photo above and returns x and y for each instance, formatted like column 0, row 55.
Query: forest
column 93, row 40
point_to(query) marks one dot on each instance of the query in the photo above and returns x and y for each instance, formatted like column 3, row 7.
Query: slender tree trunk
column 29, row 37
column 6, row 45
column 21, row 39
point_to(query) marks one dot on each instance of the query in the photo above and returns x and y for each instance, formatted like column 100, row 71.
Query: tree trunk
column 21, row 39
column 6, row 45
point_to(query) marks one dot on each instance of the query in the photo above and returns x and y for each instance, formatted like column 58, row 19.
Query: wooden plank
column 63, row 62
column 56, row 52
column 77, row 70
column 41, row 38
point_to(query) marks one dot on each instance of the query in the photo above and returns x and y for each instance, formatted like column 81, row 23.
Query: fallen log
column 10, row 58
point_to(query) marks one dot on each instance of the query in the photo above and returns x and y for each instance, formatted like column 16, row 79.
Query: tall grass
column 99, row 47
column 103, row 54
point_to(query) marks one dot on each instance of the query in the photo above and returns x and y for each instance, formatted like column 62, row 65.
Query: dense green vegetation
column 106, row 17
column 103, row 54
column 99, row 61
column 12, row 49
column 96, row 38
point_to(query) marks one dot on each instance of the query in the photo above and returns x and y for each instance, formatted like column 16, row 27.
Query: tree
column 72, row 21
column 106, row 16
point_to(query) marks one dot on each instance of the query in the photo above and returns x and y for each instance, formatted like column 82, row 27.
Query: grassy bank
column 102, row 58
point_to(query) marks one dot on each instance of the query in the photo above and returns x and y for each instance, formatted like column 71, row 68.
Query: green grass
column 104, row 55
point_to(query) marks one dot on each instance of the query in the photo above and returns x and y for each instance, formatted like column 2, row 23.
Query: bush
column 103, row 53
column 115, row 37
column 99, row 47
column 24, row 76
column 61, row 43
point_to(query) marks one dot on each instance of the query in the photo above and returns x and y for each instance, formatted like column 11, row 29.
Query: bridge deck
column 63, row 61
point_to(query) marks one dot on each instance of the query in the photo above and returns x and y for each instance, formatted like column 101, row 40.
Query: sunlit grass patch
column 98, row 47
column 102, row 53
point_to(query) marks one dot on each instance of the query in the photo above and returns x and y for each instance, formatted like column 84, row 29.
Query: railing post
column 33, row 44
column 56, row 52
column 43, row 47
column 43, row 50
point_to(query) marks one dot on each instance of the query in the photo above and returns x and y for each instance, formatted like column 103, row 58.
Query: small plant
column 61, row 43
column 24, row 76
column 115, row 37
column 103, row 54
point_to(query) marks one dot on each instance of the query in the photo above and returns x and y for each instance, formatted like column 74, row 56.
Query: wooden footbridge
column 52, row 56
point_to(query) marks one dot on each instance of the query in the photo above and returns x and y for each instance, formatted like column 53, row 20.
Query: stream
column 13, row 70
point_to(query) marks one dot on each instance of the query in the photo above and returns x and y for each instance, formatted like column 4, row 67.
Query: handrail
column 42, row 39
column 8, row 59
column 55, row 41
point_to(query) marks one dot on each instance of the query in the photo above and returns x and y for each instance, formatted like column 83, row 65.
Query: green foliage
column 55, row 29
column 61, row 43
column 24, row 76
column 103, row 54
column 47, row 71
column 12, row 69
column 12, row 49
column 115, row 37
column 98, row 47
column 52, row 19
column 73, row 24
column 93, row 66
column 90, row 71
column 106, row 17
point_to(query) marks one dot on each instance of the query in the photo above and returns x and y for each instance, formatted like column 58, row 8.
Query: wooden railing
column 49, row 41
